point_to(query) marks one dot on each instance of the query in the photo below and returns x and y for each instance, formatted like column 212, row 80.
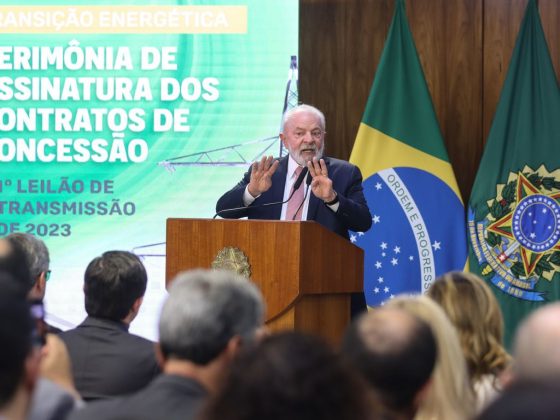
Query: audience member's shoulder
column 141, row 341
column 96, row 410
column 50, row 401
column 70, row 336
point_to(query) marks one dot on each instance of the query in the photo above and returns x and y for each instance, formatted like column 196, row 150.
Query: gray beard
column 301, row 161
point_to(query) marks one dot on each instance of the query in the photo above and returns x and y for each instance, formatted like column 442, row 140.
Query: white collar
column 292, row 165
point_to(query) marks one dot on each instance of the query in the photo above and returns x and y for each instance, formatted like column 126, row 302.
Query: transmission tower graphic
column 153, row 253
column 235, row 155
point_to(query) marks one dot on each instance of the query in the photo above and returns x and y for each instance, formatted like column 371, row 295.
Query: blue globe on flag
column 416, row 234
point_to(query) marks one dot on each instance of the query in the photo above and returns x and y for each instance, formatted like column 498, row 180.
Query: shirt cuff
column 334, row 207
column 248, row 198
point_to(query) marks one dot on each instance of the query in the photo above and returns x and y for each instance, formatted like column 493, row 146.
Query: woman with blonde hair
column 473, row 309
column 449, row 395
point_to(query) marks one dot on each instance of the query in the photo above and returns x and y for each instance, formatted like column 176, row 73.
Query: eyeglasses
column 47, row 275
column 315, row 134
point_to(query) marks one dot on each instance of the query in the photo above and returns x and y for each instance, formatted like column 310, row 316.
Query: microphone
column 299, row 180
column 296, row 185
column 307, row 183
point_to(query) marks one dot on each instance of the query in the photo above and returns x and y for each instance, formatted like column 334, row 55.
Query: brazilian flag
column 514, row 208
column 419, row 227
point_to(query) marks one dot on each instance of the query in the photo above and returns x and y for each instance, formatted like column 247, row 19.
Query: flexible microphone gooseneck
column 297, row 184
column 307, row 183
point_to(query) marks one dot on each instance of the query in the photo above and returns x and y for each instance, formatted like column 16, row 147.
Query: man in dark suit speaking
column 336, row 200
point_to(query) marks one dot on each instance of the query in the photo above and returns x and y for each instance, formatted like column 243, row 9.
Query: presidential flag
column 514, row 208
column 418, row 230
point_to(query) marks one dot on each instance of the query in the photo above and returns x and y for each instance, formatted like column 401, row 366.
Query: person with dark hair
column 106, row 359
column 293, row 376
column 19, row 350
column 54, row 395
column 14, row 262
column 396, row 352
column 207, row 317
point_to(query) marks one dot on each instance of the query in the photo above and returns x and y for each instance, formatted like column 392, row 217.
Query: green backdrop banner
column 115, row 117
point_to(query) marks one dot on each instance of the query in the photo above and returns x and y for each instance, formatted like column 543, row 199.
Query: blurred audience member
column 56, row 365
column 19, row 351
column 537, row 344
column 54, row 395
column 292, row 376
column 526, row 399
column 38, row 261
column 450, row 395
column 14, row 262
column 474, row 311
column 396, row 353
column 106, row 359
column 207, row 317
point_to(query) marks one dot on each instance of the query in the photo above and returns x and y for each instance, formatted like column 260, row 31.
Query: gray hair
column 204, row 310
column 36, row 252
column 303, row 108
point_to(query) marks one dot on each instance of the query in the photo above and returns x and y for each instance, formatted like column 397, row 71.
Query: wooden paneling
column 550, row 16
column 460, row 114
column 340, row 46
column 502, row 19
column 501, row 25
column 448, row 34
column 464, row 47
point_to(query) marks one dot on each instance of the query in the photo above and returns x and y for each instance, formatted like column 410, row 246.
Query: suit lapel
column 278, row 185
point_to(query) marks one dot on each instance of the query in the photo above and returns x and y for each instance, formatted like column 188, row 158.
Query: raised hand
column 321, row 185
column 261, row 175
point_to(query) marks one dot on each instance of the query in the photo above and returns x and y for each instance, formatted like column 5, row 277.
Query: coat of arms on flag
column 514, row 208
column 517, row 241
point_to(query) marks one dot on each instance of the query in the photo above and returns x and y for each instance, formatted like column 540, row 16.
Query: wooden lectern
column 306, row 273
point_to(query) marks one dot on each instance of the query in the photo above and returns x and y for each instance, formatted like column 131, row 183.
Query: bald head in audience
column 537, row 344
column 396, row 352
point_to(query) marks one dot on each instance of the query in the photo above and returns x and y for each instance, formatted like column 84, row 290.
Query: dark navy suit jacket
column 167, row 397
column 352, row 214
column 107, row 360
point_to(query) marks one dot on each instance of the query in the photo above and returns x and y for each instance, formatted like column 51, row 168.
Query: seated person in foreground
column 38, row 260
column 474, row 311
column 292, row 376
column 450, row 395
column 106, row 359
column 536, row 347
column 54, row 395
column 20, row 350
column 396, row 353
column 207, row 317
